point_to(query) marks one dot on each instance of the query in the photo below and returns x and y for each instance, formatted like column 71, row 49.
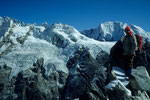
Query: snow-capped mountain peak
column 56, row 59
column 113, row 31
column 22, row 44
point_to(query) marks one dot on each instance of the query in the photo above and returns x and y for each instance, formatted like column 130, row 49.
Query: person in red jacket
column 129, row 48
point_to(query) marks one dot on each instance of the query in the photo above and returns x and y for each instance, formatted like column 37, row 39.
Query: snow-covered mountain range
column 113, row 31
column 22, row 44
column 57, row 61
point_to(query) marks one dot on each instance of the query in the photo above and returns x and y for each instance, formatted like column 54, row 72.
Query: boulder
column 140, row 80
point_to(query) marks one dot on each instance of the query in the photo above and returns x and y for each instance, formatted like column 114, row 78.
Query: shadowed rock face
column 143, row 58
column 86, row 78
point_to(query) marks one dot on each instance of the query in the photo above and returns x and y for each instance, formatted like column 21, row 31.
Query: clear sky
column 82, row 14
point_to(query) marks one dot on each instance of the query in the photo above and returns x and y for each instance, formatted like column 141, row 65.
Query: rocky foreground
column 86, row 80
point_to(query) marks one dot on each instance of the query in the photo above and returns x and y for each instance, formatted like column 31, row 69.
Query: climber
column 129, row 48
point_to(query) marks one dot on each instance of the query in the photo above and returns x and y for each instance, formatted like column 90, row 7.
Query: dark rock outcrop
column 86, row 78
column 143, row 58
column 102, row 57
column 59, row 41
column 31, row 84
column 6, row 88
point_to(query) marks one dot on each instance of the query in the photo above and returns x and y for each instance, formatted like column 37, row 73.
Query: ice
column 41, row 41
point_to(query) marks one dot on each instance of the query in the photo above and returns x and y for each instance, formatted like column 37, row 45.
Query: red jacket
column 128, row 29
column 129, row 43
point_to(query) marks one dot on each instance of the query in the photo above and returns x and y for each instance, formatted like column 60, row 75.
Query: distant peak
column 57, row 24
column 115, row 22
column 45, row 24
column 6, row 19
column 60, row 25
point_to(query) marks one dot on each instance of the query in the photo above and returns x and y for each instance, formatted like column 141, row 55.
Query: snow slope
column 121, row 79
column 113, row 31
column 22, row 44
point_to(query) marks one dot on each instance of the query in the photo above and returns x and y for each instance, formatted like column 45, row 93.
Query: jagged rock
column 31, row 84
column 59, row 41
column 36, row 86
column 62, row 79
column 86, row 78
column 102, row 57
column 140, row 80
column 6, row 88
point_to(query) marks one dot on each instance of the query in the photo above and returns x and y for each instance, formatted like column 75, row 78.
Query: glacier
column 22, row 44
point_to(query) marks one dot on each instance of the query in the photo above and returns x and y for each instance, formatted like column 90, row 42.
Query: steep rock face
column 113, row 31
column 86, row 77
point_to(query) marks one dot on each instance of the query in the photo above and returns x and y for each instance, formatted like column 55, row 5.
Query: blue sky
column 82, row 14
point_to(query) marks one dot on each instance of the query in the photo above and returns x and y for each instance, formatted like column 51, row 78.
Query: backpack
column 139, row 41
